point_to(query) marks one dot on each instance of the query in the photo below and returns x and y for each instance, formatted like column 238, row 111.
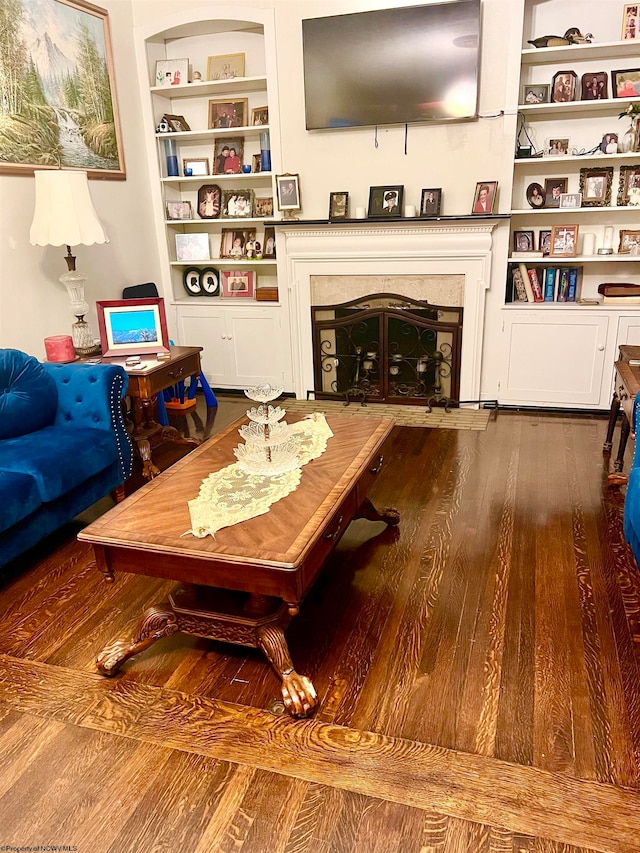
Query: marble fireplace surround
column 424, row 260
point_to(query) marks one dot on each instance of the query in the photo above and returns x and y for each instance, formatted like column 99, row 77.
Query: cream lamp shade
column 64, row 214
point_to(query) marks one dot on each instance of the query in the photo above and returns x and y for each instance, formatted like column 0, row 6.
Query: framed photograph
column 484, row 198
column 132, row 326
column 629, row 185
column 535, row 195
column 256, row 163
column 595, row 86
column 628, row 239
column 524, row 241
column 609, row 144
column 228, row 156
column 626, row 84
column 288, row 189
column 233, row 242
column 225, row 67
column 563, row 87
column 34, row 117
column 172, row 72
column 564, row 241
column 238, row 284
column 557, row 147
column 209, row 201
column 195, row 166
column 263, row 206
column 385, row 201
column 570, row 200
column 177, row 124
column 259, row 116
column 210, row 281
column 237, row 203
column 630, row 21
column 544, row 241
column 338, row 205
column 178, row 209
column 269, row 242
column 192, row 247
column 595, row 186
column 431, row 201
column 538, row 94
column 553, row 189
column 224, row 113
column 191, row 281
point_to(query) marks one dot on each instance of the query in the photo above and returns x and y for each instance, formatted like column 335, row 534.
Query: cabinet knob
column 601, row 348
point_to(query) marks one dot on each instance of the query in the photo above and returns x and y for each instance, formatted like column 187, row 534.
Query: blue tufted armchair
column 63, row 444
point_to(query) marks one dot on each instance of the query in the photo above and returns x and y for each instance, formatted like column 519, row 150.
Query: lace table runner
column 231, row 495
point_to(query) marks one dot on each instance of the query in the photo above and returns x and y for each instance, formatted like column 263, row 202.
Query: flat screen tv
column 392, row 66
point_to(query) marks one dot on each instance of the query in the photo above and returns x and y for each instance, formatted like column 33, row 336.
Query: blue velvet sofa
column 632, row 498
column 63, row 444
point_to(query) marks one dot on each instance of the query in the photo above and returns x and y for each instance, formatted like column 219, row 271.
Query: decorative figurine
column 196, row 77
column 163, row 127
column 572, row 36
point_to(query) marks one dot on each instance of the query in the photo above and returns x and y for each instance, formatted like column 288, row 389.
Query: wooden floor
column 478, row 677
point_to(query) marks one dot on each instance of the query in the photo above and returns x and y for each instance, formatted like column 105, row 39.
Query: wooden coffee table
column 245, row 585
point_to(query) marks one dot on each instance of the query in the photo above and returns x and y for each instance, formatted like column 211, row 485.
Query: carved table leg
column 388, row 515
column 149, row 468
column 625, row 430
column 157, row 622
column 613, row 415
column 300, row 697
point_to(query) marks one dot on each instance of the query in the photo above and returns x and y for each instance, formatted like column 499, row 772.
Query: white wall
column 33, row 303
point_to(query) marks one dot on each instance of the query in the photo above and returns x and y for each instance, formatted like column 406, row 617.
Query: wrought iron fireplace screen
column 387, row 348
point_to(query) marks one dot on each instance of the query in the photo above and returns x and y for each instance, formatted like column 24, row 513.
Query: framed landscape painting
column 64, row 116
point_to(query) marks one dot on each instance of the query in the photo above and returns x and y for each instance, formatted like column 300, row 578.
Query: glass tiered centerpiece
column 270, row 448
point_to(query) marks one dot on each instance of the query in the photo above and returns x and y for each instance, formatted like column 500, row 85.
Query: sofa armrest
column 90, row 395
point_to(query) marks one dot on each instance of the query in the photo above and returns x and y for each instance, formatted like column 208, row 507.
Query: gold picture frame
column 564, row 241
column 225, row 113
column 629, row 179
column 595, row 186
column 225, row 67
column 627, row 240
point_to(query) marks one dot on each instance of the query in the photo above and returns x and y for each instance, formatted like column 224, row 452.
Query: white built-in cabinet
column 245, row 341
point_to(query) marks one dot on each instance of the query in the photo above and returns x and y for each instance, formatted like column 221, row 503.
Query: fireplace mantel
column 401, row 248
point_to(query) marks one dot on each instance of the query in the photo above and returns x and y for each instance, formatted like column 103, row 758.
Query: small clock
column 192, row 281
column 210, row 282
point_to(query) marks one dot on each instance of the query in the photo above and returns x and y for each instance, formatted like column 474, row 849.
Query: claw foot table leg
column 389, row 515
column 298, row 693
column 157, row 622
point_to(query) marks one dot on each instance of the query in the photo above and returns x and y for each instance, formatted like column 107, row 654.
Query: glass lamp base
column 83, row 342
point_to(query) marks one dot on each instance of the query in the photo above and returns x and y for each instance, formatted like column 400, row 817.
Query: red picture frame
column 238, row 284
column 133, row 327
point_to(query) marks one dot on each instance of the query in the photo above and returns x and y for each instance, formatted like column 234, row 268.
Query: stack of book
column 544, row 284
column 619, row 293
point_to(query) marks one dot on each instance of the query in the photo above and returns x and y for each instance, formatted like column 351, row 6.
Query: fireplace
column 444, row 264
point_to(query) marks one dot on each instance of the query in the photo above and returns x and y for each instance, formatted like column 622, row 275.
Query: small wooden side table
column 627, row 386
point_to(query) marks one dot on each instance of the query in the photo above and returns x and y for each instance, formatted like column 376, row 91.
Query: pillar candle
column 589, row 244
column 409, row 210
column 360, row 213
column 59, row 348
column 608, row 237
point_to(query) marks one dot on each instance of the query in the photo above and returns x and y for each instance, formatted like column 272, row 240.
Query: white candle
column 409, row 210
column 589, row 244
column 361, row 213
column 608, row 237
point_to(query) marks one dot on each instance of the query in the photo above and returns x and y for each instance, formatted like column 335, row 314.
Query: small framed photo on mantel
column 385, row 201
column 431, row 201
column 338, row 206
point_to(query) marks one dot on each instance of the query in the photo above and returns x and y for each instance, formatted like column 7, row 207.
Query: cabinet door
column 255, row 347
column 554, row 358
column 206, row 328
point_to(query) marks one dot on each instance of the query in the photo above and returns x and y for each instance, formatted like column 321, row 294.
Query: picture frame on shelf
column 536, row 94
column 572, row 200
column 224, row 113
column 191, row 281
column 563, row 87
column 133, row 326
column 263, row 207
column 269, row 248
column 228, row 156
column 233, row 242
column 236, row 284
column 172, row 72
column 259, row 116
column 553, row 189
column 557, row 146
column 192, row 247
column 288, row 191
column 524, row 241
column 625, row 83
column 431, row 201
column 177, row 210
column 594, row 86
column 256, row 163
column 629, row 185
column 226, row 66
column 197, row 167
column 484, row 198
column 177, row 124
column 609, row 144
column 628, row 240
column 595, row 186
column 630, row 23
column 564, row 241
column 237, row 203
column 385, row 201
column 535, row 195
column 544, row 240
column 338, row 206
column 209, row 201
column 210, row 281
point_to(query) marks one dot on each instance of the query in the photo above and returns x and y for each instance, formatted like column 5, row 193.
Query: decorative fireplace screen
column 387, row 348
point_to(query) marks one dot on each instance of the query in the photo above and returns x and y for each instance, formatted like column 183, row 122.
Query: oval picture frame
column 191, row 280
column 535, row 195
column 209, row 282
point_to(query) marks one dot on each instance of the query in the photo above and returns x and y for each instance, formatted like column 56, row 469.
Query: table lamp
column 64, row 215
